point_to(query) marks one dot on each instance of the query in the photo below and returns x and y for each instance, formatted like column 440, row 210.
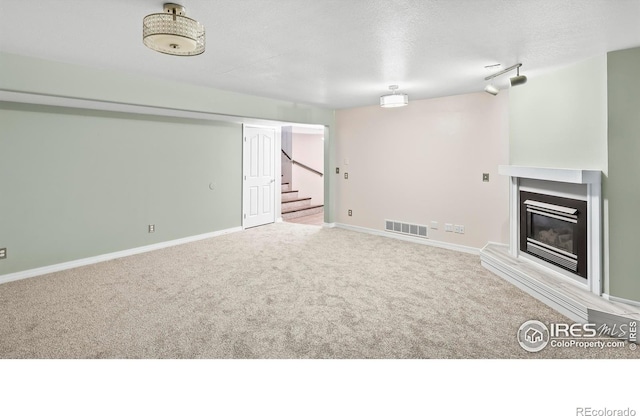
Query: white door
column 259, row 176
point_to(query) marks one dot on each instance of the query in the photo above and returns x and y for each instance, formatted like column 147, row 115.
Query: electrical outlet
column 337, row 170
column 3, row 253
column 448, row 228
column 456, row 229
column 485, row 177
column 462, row 229
column 346, row 175
column 350, row 212
column 152, row 228
column 434, row 225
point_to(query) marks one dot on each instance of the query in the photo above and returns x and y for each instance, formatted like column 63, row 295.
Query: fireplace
column 556, row 250
column 554, row 229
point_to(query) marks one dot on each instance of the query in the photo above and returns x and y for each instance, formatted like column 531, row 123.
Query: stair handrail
column 295, row 162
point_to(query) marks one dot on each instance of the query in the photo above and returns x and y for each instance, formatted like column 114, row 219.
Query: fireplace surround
column 581, row 190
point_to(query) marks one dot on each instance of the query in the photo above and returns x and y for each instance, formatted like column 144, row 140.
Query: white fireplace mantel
column 592, row 180
column 580, row 176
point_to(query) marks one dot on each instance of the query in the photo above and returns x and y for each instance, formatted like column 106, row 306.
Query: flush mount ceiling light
column 394, row 99
column 514, row 81
column 172, row 32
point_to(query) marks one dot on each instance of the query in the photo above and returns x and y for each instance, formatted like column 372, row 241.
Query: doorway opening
column 302, row 174
column 296, row 154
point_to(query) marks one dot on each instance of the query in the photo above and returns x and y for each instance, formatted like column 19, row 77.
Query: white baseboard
column 25, row 274
column 620, row 300
column 425, row 241
column 329, row 225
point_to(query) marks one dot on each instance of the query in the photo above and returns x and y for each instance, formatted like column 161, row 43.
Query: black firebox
column 554, row 229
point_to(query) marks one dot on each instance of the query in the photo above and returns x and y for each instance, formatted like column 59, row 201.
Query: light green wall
column 589, row 113
column 80, row 183
column 623, row 191
column 559, row 119
column 25, row 74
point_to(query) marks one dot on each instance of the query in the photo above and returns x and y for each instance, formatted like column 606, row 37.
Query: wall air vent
column 415, row 230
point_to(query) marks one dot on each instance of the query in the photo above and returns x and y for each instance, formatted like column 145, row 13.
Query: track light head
column 515, row 81
column 518, row 80
column 491, row 89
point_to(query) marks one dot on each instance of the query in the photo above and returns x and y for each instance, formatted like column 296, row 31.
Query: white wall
column 308, row 148
column 423, row 163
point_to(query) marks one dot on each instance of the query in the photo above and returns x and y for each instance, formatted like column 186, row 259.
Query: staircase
column 293, row 206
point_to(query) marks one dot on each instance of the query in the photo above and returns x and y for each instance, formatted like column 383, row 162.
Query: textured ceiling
column 333, row 54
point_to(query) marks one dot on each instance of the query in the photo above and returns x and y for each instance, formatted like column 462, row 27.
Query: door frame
column 277, row 196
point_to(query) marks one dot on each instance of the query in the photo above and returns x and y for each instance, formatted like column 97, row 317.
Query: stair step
column 310, row 210
column 289, row 195
column 288, row 206
column 285, row 186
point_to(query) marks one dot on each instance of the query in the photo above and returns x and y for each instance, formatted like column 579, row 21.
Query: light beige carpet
column 279, row 291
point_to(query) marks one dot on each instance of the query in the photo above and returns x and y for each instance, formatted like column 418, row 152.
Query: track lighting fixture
column 514, row 81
